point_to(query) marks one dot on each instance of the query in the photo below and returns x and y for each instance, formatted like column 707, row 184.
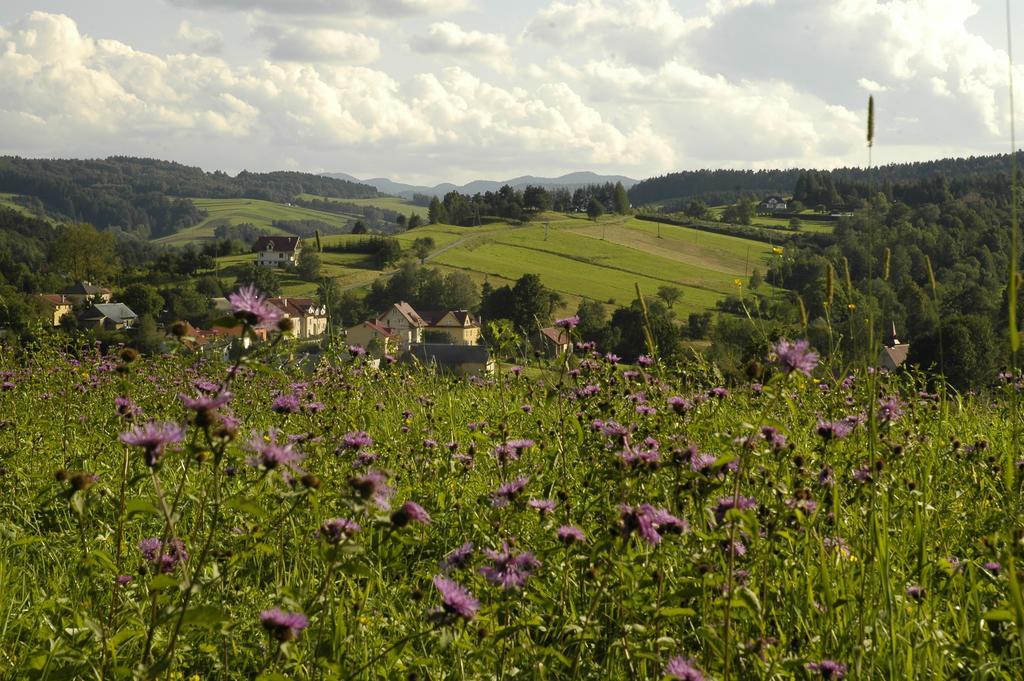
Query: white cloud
column 320, row 45
column 382, row 8
column 201, row 40
column 870, row 85
column 449, row 38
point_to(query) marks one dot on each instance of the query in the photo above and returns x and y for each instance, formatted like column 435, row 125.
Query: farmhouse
column 309, row 318
column 461, row 360
column 406, row 323
column 57, row 304
column 772, row 204
column 110, row 316
column 894, row 353
column 554, row 341
column 371, row 332
column 85, row 292
column 456, row 327
column 278, row 251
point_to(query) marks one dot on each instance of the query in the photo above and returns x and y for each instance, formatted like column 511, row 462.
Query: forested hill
column 726, row 186
column 144, row 196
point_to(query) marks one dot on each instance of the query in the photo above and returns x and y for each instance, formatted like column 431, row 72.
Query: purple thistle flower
column 773, row 437
column 916, row 592
column 726, row 504
column 409, row 512
column 455, row 599
column 834, row 430
column 357, row 439
column 508, row 491
column 373, row 486
column 720, row 393
column 286, row 404
column 544, row 506
column 283, row 626
column 252, row 308
column 889, row 409
column 683, row 669
column 205, row 405
column 649, row 522
column 640, row 457
column 993, row 566
column 644, row 361
column 568, row 322
column 164, row 556
column 154, row 437
column 567, row 534
column 334, row 530
column 613, row 358
column 126, row 409
column 825, row 478
column 356, row 350
column 124, row 580
column 271, row 454
column 459, row 558
column 829, row 669
column 796, row 356
column 837, row 544
column 702, row 461
column 509, row 571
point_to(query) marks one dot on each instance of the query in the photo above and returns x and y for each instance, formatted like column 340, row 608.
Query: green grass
column 397, row 204
column 254, row 211
column 7, row 201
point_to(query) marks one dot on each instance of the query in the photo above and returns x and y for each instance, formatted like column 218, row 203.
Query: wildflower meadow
column 279, row 518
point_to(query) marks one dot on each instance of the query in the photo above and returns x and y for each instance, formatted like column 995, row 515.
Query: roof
column 115, row 312
column 558, row 336
column 55, row 299
column 434, row 317
column 377, row 326
column 444, row 355
column 295, row 307
column 413, row 317
column 277, row 243
column 84, row 288
column 894, row 356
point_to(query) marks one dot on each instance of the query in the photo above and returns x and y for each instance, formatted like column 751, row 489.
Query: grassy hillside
column 577, row 257
column 236, row 211
column 397, row 204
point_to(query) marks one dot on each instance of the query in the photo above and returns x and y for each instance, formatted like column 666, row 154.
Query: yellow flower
column 738, row 283
column 851, row 306
column 778, row 250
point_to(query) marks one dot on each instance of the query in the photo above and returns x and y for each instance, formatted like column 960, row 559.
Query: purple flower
column 834, row 430
column 683, row 669
column 205, row 405
column 613, row 358
column 568, row 322
column 796, row 356
column 545, row 506
column 458, row 558
column 164, row 556
column 357, row 439
column 356, row 350
column 271, row 454
column 829, row 669
column 644, row 361
column 773, row 437
column 124, row 580
column 334, row 530
column 640, row 457
column 410, row 512
column 508, row 491
column 720, row 393
column 649, row 522
column 455, row 599
column 154, row 437
column 373, row 486
column 916, row 592
column 726, row 504
column 284, row 626
column 567, row 534
column 286, row 404
column 889, row 409
column 253, row 309
column 126, row 409
column 837, row 544
column 509, row 571
column 993, row 566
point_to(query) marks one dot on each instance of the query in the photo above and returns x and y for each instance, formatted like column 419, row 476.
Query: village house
column 84, row 292
column 456, row 327
column 554, row 341
column 278, row 251
column 110, row 316
column 308, row 316
column 57, row 305
column 368, row 333
column 461, row 360
column 406, row 323
column 772, row 204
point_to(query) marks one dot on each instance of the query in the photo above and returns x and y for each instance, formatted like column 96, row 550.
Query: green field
column 7, row 201
column 236, row 211
column 394, row 203
column 807, row 224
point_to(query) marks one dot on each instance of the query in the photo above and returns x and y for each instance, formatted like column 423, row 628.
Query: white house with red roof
column 278, row 251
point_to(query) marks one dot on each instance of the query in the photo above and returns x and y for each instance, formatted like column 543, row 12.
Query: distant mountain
column 570, row 181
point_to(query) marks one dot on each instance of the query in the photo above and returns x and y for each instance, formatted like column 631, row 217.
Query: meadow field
column 177, row 517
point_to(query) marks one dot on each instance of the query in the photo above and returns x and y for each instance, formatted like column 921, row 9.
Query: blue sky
column 435, row 90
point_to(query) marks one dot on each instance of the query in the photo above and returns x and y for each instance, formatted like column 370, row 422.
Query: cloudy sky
column 434, row 90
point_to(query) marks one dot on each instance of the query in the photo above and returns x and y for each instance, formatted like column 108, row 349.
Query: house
column 371, row 332
column 554, row 341
column 457, row 325
column 228, row 341
column 278, row 251
column 84, row 292
column 309, row 317
column 461, row 360
column 772, row 204
column 407, row 324
column 894, row 353
column 110, row 316
column 57, row 305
